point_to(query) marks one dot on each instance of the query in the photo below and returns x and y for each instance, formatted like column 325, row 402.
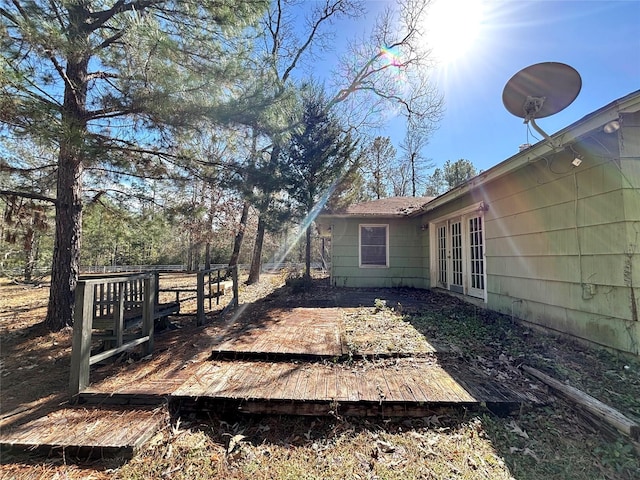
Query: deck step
column 402, row 387
column 86, row 432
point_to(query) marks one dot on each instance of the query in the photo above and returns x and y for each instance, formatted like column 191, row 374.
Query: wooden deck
column 405, row 387
column 284, row 361
column 294, row 361
column 411, row 388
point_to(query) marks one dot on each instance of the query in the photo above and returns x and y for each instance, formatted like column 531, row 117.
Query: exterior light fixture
column 576, row 162
column 611, row 127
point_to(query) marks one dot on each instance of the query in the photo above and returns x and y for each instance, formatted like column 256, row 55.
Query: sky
column 494, row 39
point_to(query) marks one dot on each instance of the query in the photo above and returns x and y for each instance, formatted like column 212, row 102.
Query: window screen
column 373, row 245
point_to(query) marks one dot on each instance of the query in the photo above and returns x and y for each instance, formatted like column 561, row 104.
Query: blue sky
column 600, row 39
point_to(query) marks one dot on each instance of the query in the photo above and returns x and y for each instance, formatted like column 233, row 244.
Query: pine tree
column 314, row 161
column 106, row 84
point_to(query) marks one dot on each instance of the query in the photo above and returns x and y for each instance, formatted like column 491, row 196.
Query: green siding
column 406, row 259
column 603, row 330
column 602, row 240
column 558, row 247
column 560, row 268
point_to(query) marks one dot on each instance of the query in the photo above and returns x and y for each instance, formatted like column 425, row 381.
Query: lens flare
column 391, row 56
column 452, row 28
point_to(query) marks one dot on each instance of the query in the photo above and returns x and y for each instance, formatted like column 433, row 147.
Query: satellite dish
column 541, row 90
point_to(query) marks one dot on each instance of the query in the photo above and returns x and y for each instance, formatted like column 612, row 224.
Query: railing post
column 200, row 295
column 148, row 308
column 218, row 292
column 156, row 275
column 119, row 314
column 81, row 346
column 209, row 296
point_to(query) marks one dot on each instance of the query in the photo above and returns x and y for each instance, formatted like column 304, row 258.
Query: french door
column 459, row 255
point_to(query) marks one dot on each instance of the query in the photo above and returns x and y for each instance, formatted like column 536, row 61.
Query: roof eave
column 363, row 215
column 570, row 134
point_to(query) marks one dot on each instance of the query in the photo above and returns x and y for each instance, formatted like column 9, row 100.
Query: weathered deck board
column 87, row 432
column 426, row 383
column 301, row 331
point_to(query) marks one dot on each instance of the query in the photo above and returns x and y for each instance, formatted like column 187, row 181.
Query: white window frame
column 463, row 215
column 375, row 225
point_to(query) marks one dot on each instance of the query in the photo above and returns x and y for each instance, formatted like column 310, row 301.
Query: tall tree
column 458, row 172
column 377, row 167
column 450, row 176
column 390, row 68
column 103, row 83
column 286, row 49
column 416, row 138
column 314, row 160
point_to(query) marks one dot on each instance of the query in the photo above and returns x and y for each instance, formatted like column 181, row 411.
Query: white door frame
column 467, row 256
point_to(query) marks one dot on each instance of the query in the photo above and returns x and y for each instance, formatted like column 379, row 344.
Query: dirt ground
column 554, row 441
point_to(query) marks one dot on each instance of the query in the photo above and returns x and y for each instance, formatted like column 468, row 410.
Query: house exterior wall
column 407, row 261
column 562, row 245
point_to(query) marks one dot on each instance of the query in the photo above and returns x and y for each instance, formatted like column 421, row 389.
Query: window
column 374, row 240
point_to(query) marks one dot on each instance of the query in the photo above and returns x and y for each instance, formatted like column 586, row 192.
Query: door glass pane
column 442, row 255
column 477, row 253
column 456, row 256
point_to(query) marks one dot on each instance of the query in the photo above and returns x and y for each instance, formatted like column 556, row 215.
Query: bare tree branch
column 33, row 196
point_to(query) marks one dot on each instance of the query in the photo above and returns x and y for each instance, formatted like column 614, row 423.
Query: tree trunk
column 66, row 251
column 29, row 250
column 237, row 243
column 190, row 254
column 307, row 253
column 256, row 261
column 68, row 231
column 413, row 174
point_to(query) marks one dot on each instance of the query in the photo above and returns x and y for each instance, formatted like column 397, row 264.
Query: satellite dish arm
column 531, row 107
column 553, row 144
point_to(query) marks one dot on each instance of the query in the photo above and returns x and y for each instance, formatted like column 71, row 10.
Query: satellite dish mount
column 541, row 90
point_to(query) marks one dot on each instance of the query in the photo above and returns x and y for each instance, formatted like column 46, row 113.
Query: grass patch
column 286, row 448
column 382, row 331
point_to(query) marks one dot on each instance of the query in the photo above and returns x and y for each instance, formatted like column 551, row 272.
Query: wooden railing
column 112, row 302
column 123, row 293
column 213, row 277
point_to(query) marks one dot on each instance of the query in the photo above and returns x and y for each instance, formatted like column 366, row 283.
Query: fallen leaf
column 234, row 442
column 531, row 453
column 385, row 447
column 517, row 430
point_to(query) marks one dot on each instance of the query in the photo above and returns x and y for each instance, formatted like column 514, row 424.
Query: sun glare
column 452, row 28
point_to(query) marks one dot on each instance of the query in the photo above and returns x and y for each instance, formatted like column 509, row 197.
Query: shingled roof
column 384, row 207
